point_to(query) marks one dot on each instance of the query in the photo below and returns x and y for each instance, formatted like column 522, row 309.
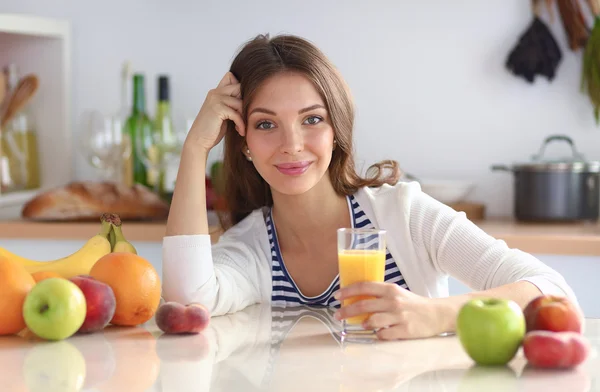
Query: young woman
column 287, row 118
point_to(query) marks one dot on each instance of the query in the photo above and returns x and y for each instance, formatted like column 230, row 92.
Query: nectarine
column 552, row 313
column 100, row 301
column 173, row 317
column 559, row 350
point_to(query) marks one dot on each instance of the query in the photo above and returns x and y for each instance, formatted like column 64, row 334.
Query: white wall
column 428, row 76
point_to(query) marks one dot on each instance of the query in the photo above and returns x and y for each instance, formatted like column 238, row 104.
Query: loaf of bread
column 86, row 201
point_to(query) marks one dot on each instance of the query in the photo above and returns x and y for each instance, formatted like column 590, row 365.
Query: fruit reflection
column 182, row 348
column 99, row 358
column 185, row 361
column 572, row 380
column 494, row 378
column 12, row 355
column 136, row 364
column 54, row 366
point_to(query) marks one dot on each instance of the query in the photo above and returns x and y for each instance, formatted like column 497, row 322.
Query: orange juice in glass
column 361, row 258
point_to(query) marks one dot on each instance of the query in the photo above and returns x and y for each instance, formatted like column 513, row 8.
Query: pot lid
column 575, row 163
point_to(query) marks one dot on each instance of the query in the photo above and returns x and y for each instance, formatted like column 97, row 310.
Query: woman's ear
column 246, row 152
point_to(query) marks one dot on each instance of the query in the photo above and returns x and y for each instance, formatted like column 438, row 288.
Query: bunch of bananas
column 109, row 239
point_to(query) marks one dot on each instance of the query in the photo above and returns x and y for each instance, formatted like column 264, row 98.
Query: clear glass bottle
column 20, row 144
column 165, row 138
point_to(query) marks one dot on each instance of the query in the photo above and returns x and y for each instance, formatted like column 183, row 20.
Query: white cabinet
column 42, row 46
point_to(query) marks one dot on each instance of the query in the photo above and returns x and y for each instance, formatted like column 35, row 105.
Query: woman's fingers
column 227, row 79
column 228, row 113
column 366, row 306
column 233, row 90
column 232, row 102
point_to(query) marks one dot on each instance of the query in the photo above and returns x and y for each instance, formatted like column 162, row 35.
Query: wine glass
column 103, row 144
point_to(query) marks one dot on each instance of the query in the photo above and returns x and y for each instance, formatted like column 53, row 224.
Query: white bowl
column 447, row 191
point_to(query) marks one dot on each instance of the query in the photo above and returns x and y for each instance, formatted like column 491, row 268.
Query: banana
column 119, row 244
column 19, row 259
column 80, row 262
column 112, row 238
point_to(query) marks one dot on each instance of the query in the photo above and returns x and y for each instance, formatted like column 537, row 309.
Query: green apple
column 491, row 330
column 54, row 309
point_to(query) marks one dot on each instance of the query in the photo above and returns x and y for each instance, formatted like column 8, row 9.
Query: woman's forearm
column 521, row 292
column 187, row 215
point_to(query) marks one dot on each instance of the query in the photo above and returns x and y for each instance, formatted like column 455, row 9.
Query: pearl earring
column 248, row 157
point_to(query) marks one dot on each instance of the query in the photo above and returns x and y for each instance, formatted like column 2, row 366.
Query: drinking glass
column 102, row 144
column 361, row 258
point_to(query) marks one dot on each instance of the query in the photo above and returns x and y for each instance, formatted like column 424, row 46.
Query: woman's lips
column 294, row 168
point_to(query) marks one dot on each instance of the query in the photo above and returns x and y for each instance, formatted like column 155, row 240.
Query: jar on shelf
column 19, row 146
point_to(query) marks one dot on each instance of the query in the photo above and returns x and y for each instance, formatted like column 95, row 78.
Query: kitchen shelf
column 16, row 198
column 42, row 46
column 22, row 24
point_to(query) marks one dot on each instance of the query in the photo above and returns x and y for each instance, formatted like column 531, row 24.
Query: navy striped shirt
column 286, row 293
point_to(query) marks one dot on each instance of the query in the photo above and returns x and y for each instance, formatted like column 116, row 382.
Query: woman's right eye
column 264, row 125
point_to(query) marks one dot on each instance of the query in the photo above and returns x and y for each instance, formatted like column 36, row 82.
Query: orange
column 15, row 284
column 135, row 283
column 41, row 275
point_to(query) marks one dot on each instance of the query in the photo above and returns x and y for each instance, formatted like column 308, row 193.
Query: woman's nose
column 292, row 141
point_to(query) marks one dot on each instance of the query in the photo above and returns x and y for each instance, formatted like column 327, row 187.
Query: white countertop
column 262, row 349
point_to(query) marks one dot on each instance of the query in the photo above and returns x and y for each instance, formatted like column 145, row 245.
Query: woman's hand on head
column 221, row 104
column 396, row 313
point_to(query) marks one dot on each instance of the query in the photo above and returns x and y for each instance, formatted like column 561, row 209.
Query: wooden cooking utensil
column 22, row 94
column 2, row 90
column 2, row 87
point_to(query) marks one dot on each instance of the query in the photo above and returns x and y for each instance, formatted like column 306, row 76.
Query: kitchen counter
column 568, row 239
column 260, row 349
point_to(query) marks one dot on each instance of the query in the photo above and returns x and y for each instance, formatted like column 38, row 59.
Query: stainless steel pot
column 556, row 190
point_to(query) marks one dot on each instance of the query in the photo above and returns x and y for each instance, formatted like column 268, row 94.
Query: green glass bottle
column 138, row 128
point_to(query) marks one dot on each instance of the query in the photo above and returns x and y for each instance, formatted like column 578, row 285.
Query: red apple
column 560, row 350
column 100, row 300
column 552, row 313
column 173, row 317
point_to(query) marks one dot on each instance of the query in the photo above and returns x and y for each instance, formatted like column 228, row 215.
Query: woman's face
column 289, row 134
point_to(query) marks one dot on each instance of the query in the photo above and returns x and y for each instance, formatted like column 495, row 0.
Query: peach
column 175, row 318
column 552, row 313
column 558, row 350
column 100, row 300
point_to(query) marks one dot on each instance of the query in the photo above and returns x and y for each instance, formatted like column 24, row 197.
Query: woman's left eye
column 312, row 120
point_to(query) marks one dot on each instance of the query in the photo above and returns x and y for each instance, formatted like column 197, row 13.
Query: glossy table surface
column 269, row 349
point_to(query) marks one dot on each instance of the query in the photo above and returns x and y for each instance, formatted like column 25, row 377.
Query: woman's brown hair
column 258, row 60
